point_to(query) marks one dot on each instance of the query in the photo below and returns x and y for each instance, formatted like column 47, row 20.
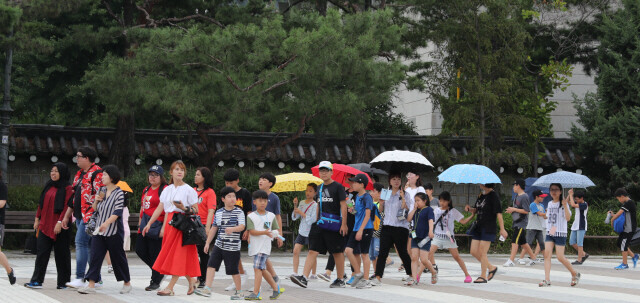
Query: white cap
column 325, row 164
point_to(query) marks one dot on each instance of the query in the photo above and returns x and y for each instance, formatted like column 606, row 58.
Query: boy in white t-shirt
column 445, row 217
column 579, row 226
column 263, row 227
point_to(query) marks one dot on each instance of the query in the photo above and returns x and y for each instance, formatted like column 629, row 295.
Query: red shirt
column 49, row 219
column 206, row 201
column 149, row 202
column 87, row 190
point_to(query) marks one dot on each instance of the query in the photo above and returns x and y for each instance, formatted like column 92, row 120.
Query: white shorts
column 444, row 243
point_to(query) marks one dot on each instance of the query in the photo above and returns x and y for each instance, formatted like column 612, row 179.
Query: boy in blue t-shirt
column 360, row 239
column 421, row 236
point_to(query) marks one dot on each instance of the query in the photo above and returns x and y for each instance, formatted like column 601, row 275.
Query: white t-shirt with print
column 447, row 222
column 260, row 244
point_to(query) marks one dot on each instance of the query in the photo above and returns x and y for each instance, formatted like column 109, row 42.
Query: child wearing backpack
column 359, row 240
column 421, row 236
column 374, row 248
column 445, row 217
column 624, row 222
column 307, row 212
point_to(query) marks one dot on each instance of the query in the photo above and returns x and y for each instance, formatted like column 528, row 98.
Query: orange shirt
column 206, row 201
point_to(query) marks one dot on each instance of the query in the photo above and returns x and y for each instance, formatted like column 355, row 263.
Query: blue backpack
column 618, row 224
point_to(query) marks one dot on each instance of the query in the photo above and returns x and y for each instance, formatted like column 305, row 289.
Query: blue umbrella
column 468, row 174
column 566, row 179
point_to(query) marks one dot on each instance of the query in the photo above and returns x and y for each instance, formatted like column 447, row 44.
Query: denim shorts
column 577, row 237
column 481, row 235
column 374, row 248
column 415, row 241
column 562, row 241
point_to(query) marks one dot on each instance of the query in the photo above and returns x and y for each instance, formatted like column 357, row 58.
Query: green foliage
column 610, row 119
column 23, row 197
column 9, row 16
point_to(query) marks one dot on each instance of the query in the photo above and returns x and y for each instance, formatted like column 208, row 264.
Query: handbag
column 154, row 230
column 92, row 224
column 472, row 228
column 195, row 233
column 180, row 221
column 327, row 221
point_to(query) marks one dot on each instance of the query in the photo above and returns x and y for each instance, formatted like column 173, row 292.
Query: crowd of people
column 348, row 223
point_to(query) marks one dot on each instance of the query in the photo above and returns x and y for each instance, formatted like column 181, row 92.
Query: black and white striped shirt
column 111, row 205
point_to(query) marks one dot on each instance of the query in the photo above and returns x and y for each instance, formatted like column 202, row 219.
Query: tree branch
column 107, row 5
column 281, row 83
column 292, row 5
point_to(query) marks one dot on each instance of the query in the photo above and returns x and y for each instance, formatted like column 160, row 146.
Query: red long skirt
column 175, row 259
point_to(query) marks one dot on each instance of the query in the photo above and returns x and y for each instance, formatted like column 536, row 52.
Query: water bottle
column 424, row 242
column 608, row 219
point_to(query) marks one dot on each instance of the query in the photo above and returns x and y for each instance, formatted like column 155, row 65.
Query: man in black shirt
column 332, row 203
column 3, row 259
column 628, row 209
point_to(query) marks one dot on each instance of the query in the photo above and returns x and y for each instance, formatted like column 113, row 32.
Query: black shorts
column 519, row 236
column 324, row 241
column 362, row 246
column 231, row 260
column 624, row 240
column 302, row 240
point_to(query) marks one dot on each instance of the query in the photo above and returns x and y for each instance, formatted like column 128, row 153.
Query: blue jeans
column 374, row 250
column 82, row 249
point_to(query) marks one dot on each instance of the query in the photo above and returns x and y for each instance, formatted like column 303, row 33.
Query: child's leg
column 522, row 253
column 296, row 257
column 527, row 249
column 366, row 265
column 548, row 250
column 564, row 260
column 351, row 256
column 240, row 268
column 315, row 264
column 258, row 280
column 236, row 281
column 312, row 257
column 211, row 274
column 456, row 256
column 356, row 266
column 271, row 269
column 624, row 256
column 432, row 254
column 108, row 259
column 415, row 257
column 424, row 257
column 5, row 262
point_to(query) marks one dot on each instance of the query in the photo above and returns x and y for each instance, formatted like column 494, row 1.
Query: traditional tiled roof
column 43, row 140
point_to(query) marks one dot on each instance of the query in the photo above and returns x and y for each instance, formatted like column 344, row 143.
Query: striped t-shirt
column 111, row 205
column 224, row 219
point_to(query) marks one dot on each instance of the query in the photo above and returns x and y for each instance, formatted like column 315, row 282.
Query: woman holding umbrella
column 483, row 231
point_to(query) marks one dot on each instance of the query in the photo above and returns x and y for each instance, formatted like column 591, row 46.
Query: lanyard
column 415, row 226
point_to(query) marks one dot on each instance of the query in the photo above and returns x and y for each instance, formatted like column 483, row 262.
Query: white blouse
column 184, row 193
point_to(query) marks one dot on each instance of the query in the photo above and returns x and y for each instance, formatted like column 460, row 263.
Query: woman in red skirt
column 174, row 259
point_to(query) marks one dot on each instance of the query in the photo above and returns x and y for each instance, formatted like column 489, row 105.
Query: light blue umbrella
column 566, row 179
column 468, row 174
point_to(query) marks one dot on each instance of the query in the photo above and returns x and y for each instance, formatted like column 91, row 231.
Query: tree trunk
column 360, row 146
column 321, row 7
column 122, row 152
column 6, row 113
column 480, row 97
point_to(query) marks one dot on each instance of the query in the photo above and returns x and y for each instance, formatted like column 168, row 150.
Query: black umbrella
column 366, row 167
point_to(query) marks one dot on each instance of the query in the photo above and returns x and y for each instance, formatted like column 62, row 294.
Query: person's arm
column 212, row 232
column 209, row 220
column 367, row 215
column 343, row 212
column 503, row 232
column 464, row 221
column 616, row 215
column 412, row 212
column 404, row 201
column 65, row 220
column 431, row 224
column 567, row 212
column 117, row 212
column 154, row 217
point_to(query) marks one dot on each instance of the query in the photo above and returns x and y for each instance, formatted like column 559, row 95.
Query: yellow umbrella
column 124, row 186
column 294, row 182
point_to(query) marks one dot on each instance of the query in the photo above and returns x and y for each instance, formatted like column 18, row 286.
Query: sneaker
column 338, row 283
column 12, row 277
column 300, row 281
column 87, row 290
column 621, row 266
column 268, row 287
column 205, row 291
column 540, row 260
column 201, row 284
column 98, row 285
column 253, row 297
column 509, row 263
column 401, row 268
column 324, row 277
column 376, row 282
column 276, row 294
column 33, row 285
column 531, row 263
column 152, row 286
column 61, row 287
column 635, row 260
column 405, row 278
column 410, row 282
column 363, row 284
column 126, row 289
column 350, row 280
column 344, row 276
column 313, row 277
column 237, row 296
column 232, row 286
column 524, row 261
column 372, row 277
column 356, row 278
column 76, row 283
column 110, row 269
column 576, row 262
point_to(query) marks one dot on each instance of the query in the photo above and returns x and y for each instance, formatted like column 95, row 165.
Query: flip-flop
column 575, row 280
column 492, row 273
column 434, row 278
column 192, row 289
column 480, row 280
column 165, row 293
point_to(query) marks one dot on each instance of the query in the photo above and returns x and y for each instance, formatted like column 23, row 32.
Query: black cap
column 360, row 178
column 538, row 193
column 519, row 182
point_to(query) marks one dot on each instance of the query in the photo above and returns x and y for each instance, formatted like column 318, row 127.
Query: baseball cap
column 519, row 182
column 156, row 169
column 325, row 164
column 538, row 193
column 360, row 178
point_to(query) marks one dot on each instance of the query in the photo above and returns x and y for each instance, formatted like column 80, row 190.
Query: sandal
column 192, row 288
column 480, row 280
column 401, row 268
column 410, row 282
column 575, row 280
column 434, row 278
column 544, row 283
column 165, row 293
column 492, row 273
